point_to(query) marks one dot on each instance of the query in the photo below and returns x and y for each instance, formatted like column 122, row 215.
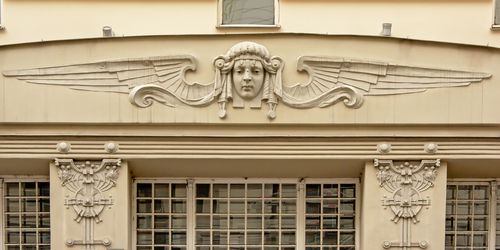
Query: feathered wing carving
column 69, row 174
column 335, row 79
column 121, row 76
column 331, row 79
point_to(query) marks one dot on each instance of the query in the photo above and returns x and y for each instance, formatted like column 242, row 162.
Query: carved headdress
column 273, row 66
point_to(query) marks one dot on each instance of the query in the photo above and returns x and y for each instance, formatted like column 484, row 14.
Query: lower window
column 471, row 212
column 247, row 214
column 26, row 215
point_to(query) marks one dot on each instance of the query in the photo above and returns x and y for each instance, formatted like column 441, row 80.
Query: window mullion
column 301, row 216
column 493, row 216
column 190, row 220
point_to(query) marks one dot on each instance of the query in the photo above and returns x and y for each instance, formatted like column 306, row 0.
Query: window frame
column 492, row 208
column 221, row 25
column 20, row 178
column 301, row 198
column 495, row 26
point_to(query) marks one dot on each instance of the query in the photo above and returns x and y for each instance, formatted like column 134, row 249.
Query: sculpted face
column 248, row 78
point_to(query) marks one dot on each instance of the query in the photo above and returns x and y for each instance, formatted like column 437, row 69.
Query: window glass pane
column 162, row 206
column 29, row 188
column 237, row 190
column 179, row 190
column 347, row 190
column 203, row 206
column 313, row 190
column 144, row 206
column 220, row 190
column 248, row 12
column 161, row 190
column 288, row 207
column 202, row 190
column 144, row 221
column 203, row 221
column 144, row 190
column 271, row 190
column 162, row 221
column 220, row 206
column 178, row 221
column 254, row 238
column 237, row 206
column 464, row 192
column 12, row 220
column 12, row 189
column 289, row 191
column 161, row 238
column 236, row 238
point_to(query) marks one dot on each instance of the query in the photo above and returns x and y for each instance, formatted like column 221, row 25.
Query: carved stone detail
column 431, row 148
column 384, row 147
column 248, row 75
column 63, row 147
column 406, row 182
column 111, row 147
column 88, row 181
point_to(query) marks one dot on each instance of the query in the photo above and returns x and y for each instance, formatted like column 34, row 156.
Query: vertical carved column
column 406, row 181
column 88, row 181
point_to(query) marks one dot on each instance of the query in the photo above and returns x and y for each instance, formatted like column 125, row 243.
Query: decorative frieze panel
column 248, row 75
column 88, row 180
column 406, row 181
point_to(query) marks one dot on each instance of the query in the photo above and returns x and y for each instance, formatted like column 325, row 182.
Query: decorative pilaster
column 88, row 180
column 406, row 181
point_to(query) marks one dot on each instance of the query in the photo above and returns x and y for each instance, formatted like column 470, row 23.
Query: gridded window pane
column 259, row 215
column 467, row 216
column 26, row 215
column 330, row 216
column 161, row 213
column 247, row 216
column 248, row 12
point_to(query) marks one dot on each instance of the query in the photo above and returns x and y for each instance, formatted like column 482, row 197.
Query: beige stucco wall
column 116, row 219
column 377, row 226
column 32, row 103
column 443, row 20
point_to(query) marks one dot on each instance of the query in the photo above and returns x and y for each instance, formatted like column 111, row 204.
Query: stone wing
column 121, row 76
column 106, row 175
column 363, row 77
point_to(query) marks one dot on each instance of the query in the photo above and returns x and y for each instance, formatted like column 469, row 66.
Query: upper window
column 251, row 13
column 496, row 17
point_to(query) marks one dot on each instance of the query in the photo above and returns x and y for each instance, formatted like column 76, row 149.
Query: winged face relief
column 247, row 75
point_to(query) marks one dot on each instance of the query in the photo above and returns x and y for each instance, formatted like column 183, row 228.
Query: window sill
column 248, row 26
column 495, row 27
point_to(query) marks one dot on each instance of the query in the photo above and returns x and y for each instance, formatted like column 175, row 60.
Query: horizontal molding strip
column 296, row 148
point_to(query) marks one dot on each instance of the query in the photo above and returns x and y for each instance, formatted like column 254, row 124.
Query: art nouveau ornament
column 406, row 182
column 88, row 181
column 248, row 75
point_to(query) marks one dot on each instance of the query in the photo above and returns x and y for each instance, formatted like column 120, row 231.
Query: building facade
column 262, row 124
